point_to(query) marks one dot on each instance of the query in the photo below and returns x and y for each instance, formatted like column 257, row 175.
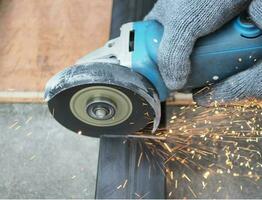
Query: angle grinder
column 118, row 88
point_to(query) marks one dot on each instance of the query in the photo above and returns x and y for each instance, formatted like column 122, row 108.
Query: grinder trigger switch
column 246, row 27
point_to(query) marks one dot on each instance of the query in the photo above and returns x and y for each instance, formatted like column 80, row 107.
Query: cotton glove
column 243, row 86
column 184, row 21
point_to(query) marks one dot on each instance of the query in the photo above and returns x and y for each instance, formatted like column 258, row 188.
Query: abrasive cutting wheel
column 100, row 98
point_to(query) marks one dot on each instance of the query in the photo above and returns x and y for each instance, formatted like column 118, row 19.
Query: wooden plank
column 40, row 38
column 21, row 97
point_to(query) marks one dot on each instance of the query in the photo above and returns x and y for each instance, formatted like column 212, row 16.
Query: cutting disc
column 101, row 98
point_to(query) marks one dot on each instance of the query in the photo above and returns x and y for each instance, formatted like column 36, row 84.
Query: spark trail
column 207, row 148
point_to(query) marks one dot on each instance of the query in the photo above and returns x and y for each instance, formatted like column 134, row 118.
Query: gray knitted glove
column 184, row 22
column 243, row 86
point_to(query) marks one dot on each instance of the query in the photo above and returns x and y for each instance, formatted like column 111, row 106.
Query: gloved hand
column 243, row 86
column 184, row 22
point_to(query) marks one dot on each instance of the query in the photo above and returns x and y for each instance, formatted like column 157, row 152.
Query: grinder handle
column 231, row 49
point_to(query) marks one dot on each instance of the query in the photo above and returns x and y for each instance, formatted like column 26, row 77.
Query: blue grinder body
column 233, row 48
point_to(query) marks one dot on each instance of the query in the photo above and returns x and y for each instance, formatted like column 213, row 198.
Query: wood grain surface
column 41, row 37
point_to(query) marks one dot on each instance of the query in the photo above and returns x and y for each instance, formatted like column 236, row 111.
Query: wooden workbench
column 40, row 38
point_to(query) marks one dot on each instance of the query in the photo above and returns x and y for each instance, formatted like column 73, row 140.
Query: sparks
column 196, row 138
